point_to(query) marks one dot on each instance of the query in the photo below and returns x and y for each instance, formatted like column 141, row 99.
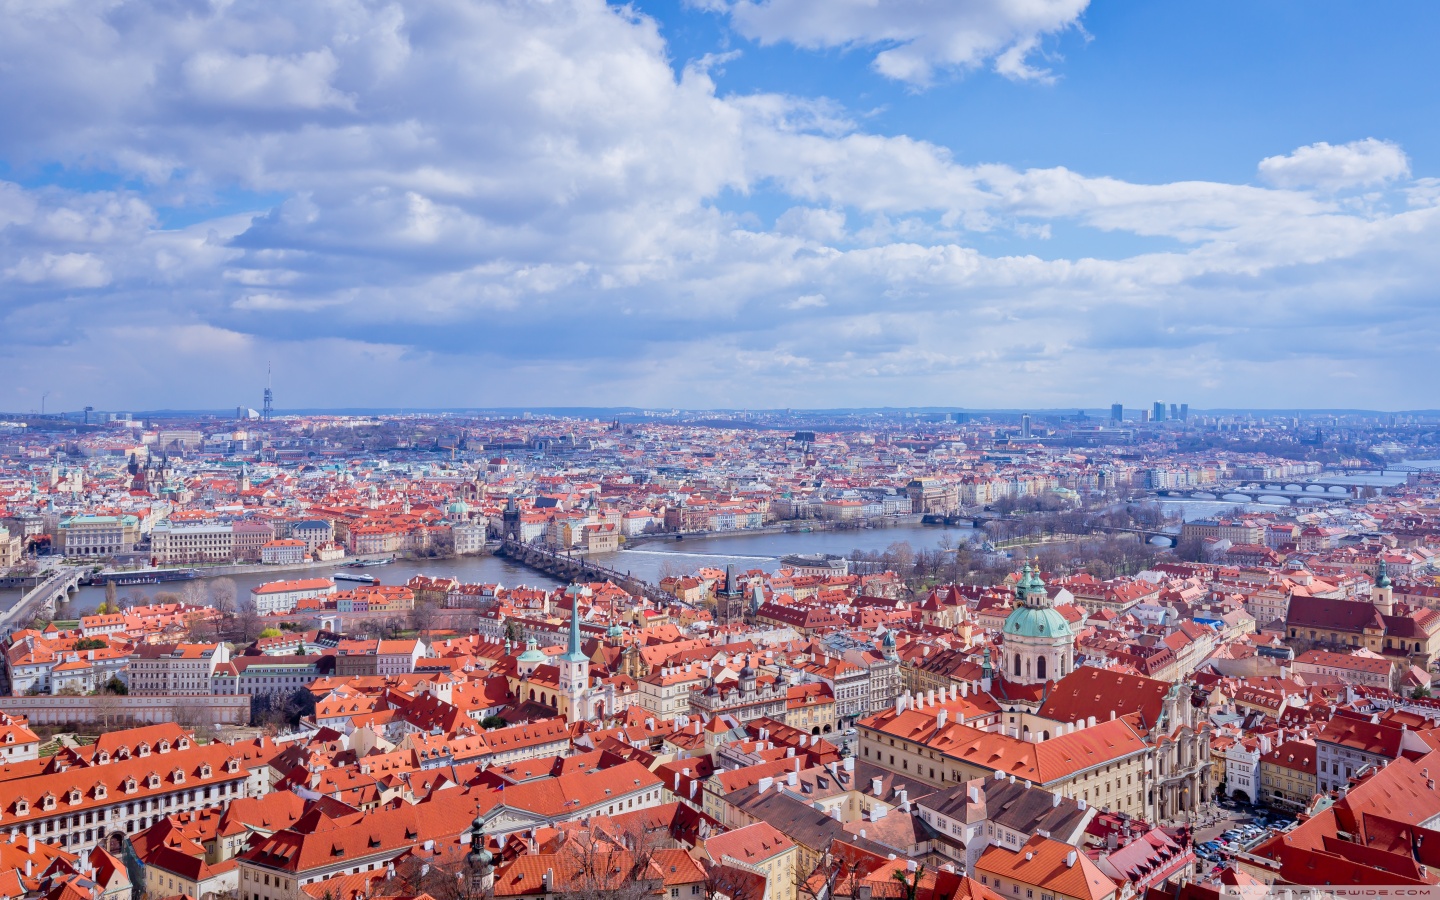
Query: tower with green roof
column 574, row 666
column 1037, row 642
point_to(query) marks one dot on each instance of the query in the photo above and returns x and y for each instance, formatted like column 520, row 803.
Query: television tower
column 268, row 409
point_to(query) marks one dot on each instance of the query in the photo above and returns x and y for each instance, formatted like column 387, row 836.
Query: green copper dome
column 1031, row 621
column 533, row 653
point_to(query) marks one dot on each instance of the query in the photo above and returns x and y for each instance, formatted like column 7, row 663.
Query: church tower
column 574, row 668
column 1382, row 594
column 1038, row 645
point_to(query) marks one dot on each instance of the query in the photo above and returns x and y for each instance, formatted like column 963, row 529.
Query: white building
column 285, row 552
column 278, row 597
column 192, row 543
column 168, row 669
column 469, row 537
column 1242, row 766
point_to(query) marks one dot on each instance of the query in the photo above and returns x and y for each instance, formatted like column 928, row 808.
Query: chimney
column 974, row 794
column 549, row 879
column 941, row 718
column 877, row 812
column 30, row 845
column 1090, row 723
column 1112, row 715
column 904, row 801
column 1054, row 800
column 792, row 779
column 849, row 763
column 876, row 785
column 1070, row 859
column 765, row 784
column 964, row 689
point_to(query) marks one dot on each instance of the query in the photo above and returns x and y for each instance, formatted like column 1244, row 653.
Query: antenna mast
column 269, row 408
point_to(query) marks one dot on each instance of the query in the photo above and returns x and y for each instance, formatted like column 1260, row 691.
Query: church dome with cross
column 1038, row 644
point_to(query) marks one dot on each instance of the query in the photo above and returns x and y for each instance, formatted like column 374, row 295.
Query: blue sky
column 719, row 203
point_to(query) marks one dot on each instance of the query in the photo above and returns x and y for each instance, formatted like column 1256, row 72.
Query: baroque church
column 1041, row 693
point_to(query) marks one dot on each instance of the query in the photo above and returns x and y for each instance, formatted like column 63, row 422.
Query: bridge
column 978, row 520
column 56, row 586
column 1397, row 469
column 575, row 569
column 1255, row 491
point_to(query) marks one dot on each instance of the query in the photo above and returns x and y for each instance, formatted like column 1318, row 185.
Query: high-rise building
column 1175, row 411
column 1025, row 426
column 1157, row 414
column 1184, row 412
column 1117, row 413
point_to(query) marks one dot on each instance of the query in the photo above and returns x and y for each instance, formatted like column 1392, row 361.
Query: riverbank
column 229, row 569
column 789, row 526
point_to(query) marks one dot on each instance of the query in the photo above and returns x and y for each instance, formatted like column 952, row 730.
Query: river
column 653, row 560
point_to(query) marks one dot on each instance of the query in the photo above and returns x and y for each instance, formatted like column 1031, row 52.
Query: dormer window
column 205, row 770
column 74, row 796
column 130, row 786
column 232, row 765
column 122, row 753
column 143, row 749
column 47, row 802
column 182, row 744
column 163, row 746
column 102, row 757
column 152, row 781
column 100, row 791
column 9, row 737
column 178, row 777
column 21, row 807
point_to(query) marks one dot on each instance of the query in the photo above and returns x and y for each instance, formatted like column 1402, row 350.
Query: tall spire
column 1382, row 574
column 573, row 654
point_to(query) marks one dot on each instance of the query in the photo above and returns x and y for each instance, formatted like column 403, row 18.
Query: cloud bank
column 494, row 202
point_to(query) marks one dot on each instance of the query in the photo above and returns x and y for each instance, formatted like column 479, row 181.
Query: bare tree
column 246, row 622
column 194, row 593
column 222, row 595
column 108, row 709
column 422, row 618
column 724, row 882
column 616, row 864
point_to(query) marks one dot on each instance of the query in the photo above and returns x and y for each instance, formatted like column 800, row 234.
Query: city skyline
column 718, row 205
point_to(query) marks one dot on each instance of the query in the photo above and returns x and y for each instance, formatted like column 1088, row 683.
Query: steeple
column 1030, row 591
column 573, row 651
column 574, row 667
column 1382, row 575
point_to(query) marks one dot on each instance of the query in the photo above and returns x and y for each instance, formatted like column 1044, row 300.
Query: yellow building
column 810, row 708
column 1288, row 774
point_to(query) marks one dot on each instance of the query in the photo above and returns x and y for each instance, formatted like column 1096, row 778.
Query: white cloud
column 1333, row 167
column 922, row 38
column 66, row 270
column 527, row 196
column 260, row 81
